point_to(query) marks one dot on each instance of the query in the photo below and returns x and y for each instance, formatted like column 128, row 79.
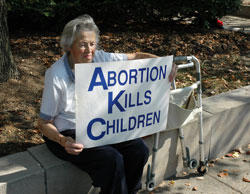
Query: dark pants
column 116, row 168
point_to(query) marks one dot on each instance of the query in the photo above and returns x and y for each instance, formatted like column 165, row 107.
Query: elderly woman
column 116, row 168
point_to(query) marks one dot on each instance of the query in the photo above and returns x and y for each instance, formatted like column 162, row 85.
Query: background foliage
column 54, row 14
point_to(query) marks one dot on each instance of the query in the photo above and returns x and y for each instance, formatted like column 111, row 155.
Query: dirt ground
column 224, row 57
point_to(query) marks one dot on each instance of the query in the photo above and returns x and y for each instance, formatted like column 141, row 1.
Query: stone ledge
column 225, row 125
column 244, row 11
column 230, row 120
column 61, row 176
column 21, row 174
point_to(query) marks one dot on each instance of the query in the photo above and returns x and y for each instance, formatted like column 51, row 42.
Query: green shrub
column 53, row 14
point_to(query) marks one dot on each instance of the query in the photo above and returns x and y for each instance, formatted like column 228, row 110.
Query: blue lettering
column 126, row 100
column 138, row 100
column 130, row 101
column 133, row 75
column 111, row 102
column 117, row 126
column 131, row 123
column 147, row 96
column 141, row 71
column 89, row 129
column 98, row 71
column 149, row 119
column 141, row 119
column 111, row 78
column 122, row 129
column 109, row 126
column 157, row 117
column 119, row 77
column 163, row 73
column 147, row 74
column 151, row 73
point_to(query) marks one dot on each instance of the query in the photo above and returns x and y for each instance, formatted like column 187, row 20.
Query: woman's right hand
column 71, row 147
column 50, row 131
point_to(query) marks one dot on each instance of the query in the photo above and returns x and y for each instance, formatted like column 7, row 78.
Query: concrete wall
column 226, row 123
column 244, row 10
column 21, row 174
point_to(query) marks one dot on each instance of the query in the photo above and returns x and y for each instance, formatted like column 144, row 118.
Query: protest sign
column 120, row 101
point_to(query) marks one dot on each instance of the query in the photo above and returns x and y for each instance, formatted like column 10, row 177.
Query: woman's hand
column 50, row 131
column 141, row 55
column 71, row 147
column 173, row 73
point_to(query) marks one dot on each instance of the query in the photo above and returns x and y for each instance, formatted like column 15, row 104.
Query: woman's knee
column 111, row 165
column 141, row 149
column 111, row 159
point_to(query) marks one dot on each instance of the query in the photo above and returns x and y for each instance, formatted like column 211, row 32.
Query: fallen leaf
column 235, row 171
column 235, row 155
column 171, row 182
column 200, row 178
column 162, row 184
column 240, row 150
column 213, row 160
column 222, row 174
column 211, row 164
column 190, row 77
column 246, row 180
column 187, row 184
column 184, row 173
column 229, row 155
column 37, row 100
column 195, row 189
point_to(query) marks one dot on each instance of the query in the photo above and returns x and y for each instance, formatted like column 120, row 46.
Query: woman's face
column 83, row 48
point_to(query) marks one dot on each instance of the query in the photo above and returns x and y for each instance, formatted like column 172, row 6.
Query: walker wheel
column 202, row 170
column 193, row 163
column 151, row 185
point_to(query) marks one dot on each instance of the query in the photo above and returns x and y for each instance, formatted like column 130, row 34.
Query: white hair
column 74, row 27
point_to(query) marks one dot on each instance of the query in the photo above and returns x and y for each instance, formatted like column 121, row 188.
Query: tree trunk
column 7, row 66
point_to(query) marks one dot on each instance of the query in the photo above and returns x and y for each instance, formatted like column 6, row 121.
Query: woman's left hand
column 173, row 73
column 71, row 147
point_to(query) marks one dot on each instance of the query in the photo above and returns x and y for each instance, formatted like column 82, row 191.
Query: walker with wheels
column 184, row 105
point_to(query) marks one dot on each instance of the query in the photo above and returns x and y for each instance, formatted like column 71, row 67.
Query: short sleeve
column 52, row 97
column 101, row 56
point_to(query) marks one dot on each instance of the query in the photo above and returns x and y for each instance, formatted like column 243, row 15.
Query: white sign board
column 120, row 101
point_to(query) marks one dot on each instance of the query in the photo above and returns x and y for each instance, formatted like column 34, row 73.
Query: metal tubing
column 192, row 60
column 201, row 140
column 199, row 93
column 94, row 190
column 182, row 58
column 197, row 64
column 183, row 66
column 155, row 149
column 183, row 147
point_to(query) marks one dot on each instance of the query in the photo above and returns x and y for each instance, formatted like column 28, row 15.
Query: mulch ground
column 224, row 57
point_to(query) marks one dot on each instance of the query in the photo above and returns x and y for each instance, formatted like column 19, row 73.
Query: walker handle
column 182, row 58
